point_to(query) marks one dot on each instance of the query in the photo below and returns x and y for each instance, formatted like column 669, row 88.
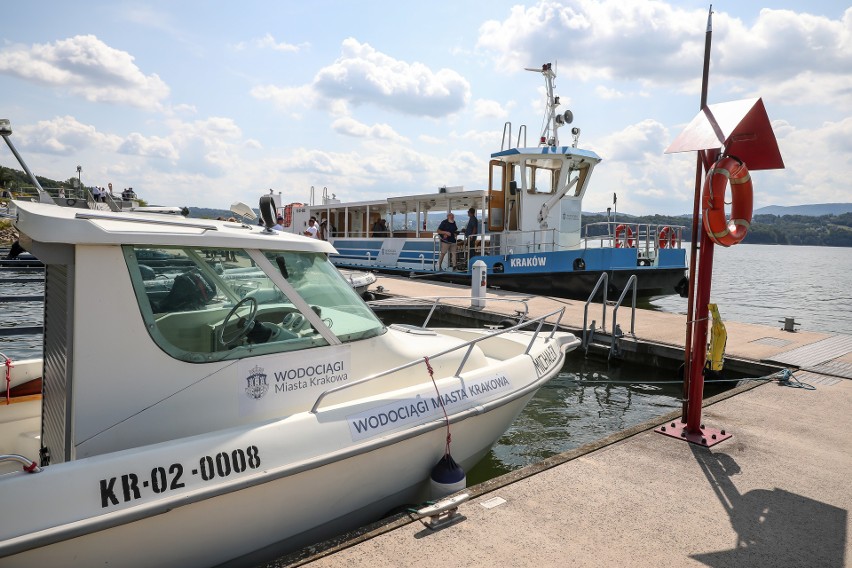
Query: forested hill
column 822, row 230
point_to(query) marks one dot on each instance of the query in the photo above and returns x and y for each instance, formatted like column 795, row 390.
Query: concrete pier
column 776, row 494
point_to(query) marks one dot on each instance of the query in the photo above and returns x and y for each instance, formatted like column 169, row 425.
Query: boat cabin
column 152, row 324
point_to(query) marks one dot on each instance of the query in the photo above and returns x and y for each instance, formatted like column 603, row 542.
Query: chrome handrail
column 604, row 278
column 29, row 465
column 469, row 344
column 519, row 299
column 631, row 282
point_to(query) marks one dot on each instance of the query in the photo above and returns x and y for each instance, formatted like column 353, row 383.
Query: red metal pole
column 690, row 311
column 699, row 337
column 688, row 353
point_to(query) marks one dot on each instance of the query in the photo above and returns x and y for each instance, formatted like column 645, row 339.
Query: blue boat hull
column 566, row 274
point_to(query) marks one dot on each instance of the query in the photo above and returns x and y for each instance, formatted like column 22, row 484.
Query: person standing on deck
column 448, row 231
column 380, row 228
column 471, row 230
column 312, row 229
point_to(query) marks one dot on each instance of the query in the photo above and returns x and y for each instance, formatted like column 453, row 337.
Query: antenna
column 552, row 119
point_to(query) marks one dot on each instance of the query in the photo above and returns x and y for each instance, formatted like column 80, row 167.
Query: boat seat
column 190, row 291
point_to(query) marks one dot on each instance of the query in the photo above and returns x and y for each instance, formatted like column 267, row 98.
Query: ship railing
column 113, row 205
column 538, row 322
column 520, row 242
column 58, row 194
column 646, row 238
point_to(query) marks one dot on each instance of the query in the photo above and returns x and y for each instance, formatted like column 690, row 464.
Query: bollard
column 478, row 283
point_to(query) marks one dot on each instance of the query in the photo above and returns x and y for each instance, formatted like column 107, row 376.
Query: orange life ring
column 623, row 236
column 668, row 238
column 722, row 231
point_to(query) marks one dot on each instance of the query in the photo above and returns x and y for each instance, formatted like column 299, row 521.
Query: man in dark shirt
column 448, row 231
column 471, row 230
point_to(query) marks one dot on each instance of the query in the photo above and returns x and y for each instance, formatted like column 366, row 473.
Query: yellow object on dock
column 718, row 340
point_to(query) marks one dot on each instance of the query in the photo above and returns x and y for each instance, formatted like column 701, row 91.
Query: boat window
column 204, row 304
column 330, row 296
column 541, row 178
column 496, row 195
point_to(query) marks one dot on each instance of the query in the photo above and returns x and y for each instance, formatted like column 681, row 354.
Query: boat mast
column 6, row 133
column 553, row 120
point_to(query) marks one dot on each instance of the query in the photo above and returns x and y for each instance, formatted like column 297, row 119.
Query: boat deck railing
column 538, row 322
column 67, row 197
column 434, row 303
column 646, row 238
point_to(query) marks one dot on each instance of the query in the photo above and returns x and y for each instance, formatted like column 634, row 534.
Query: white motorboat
column 229, row 419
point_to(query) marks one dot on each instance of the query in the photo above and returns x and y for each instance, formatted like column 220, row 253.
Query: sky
column 202, row 104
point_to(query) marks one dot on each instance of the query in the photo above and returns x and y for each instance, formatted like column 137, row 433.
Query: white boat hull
column 131, row 508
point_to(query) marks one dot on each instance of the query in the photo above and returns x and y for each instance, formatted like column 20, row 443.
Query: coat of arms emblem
column 256, row 385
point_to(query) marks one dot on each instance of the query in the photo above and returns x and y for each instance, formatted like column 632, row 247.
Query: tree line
column 823, row 230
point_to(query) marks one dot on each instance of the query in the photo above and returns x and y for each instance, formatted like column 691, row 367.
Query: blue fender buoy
column 447, row 477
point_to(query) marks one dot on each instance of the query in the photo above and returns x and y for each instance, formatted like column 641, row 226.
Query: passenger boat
column 223, row 419
column 530, row 237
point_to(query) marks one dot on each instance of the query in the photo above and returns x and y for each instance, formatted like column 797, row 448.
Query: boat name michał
column 545, row 359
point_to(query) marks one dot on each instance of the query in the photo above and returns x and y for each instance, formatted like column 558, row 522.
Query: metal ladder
column 589, row 330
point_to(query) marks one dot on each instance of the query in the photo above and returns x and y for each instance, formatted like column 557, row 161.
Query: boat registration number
column 161, row 479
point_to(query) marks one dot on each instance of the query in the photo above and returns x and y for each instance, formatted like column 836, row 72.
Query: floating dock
column 776, row 494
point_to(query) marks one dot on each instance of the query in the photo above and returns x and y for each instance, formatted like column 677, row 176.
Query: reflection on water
column 577, row 407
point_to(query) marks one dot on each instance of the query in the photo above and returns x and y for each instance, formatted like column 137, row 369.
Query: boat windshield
column 202, row 304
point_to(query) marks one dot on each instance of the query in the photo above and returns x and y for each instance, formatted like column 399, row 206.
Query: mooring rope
column 441, row 401
column 784, row 378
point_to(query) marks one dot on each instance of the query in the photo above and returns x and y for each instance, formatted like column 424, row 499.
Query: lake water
column 587, row 401
column 763, row 284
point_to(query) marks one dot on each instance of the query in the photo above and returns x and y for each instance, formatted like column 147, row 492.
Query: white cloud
column 291, row 100
column 86, row 67
column 484, row 108
column 635, row 142
column 64, row 135
column 362, row 76
column 805, row 57
column 653, row 40
column 153, row 146
column 268, row 41
column 813, row 173
column 350, row 127
column 607, row 93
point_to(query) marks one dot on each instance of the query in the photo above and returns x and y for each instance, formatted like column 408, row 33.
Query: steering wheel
column 243, row 329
